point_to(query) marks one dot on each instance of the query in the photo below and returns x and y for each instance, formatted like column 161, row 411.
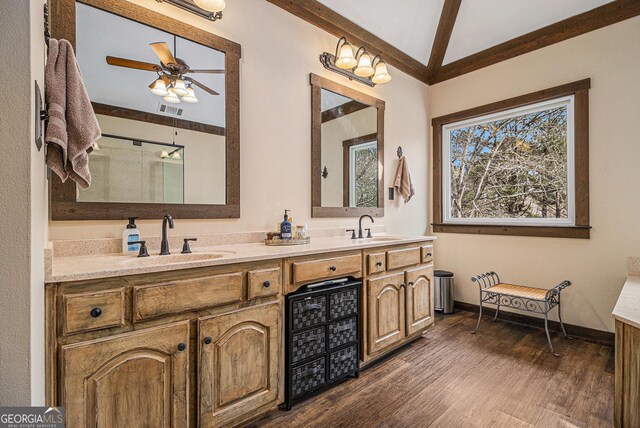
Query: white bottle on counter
column 130, row 234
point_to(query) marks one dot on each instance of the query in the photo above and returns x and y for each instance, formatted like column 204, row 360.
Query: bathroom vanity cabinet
column 204, row 346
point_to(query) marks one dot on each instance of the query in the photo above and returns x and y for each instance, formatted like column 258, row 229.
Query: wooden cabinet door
column 385, row 315
column 137, row 379
column 419, row 307
column 239, row 363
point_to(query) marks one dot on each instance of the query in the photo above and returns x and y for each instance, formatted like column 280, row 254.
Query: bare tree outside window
column 511, row 168
column 365, row 184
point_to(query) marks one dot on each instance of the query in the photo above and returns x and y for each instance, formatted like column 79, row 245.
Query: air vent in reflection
column 169, row 110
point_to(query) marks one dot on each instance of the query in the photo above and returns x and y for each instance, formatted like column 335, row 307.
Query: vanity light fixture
column 360, row 67
column 164, row 154
column 210, row 9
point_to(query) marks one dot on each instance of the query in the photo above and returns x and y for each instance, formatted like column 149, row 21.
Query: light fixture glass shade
column 345, row 58
column 382, row 74
column 159, row 88
column 179, row 87
column 171, row 97
column 364, row 68
column 175, row 155
column 190, row 97
column 211, row 5
column 164, row 154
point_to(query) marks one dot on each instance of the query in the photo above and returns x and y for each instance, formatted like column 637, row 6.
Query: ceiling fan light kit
column 209, row 9
column 359, row 67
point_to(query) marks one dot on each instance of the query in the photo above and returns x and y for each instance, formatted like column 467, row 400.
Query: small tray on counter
column 280, row 242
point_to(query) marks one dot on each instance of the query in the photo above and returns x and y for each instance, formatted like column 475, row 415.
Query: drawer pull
column 332, row 268
column 379, row 264
column 312, row 372
column 95, row 312
column 344, row 328
column 312, row 307
column 429, row 254
column 182, row 346
column 344, row 358
column 266, row 284
column 310, row 338
column 207, row 340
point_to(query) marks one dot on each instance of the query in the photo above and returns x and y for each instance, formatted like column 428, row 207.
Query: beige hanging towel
column 72, row 128
column 402, row 182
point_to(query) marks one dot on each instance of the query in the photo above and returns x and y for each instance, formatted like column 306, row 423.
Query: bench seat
column 519, row 291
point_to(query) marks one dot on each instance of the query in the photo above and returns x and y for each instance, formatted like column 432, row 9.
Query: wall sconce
column 360, row 67
column 210, row 9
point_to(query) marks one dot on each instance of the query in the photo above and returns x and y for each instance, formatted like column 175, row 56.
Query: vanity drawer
column 315, row 270
column 151, row 301
column 403, row 257
column 427, row 253
column 93, row 311
column 264, row 282
column 376, row 263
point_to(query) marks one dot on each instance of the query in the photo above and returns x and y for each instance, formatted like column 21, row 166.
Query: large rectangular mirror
column 166, row 97
column 347, row 151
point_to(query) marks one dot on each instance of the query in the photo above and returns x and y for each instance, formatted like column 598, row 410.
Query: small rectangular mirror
column 347, row 150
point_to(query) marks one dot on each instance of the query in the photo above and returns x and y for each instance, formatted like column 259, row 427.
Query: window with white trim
column 514, row 167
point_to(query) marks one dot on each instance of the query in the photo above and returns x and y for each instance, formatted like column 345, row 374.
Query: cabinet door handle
column 266, row 284
column 95, row 312
column 182, row 346
column 332, row 268
column 207, row 340
column 403, row 285
column 379, row 264
column 410, row 283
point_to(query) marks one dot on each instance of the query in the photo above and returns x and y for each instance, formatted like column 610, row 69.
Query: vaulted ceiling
column 436, row 40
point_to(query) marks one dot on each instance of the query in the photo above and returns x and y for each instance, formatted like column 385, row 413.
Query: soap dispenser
column 285, row 227
column 130, row 234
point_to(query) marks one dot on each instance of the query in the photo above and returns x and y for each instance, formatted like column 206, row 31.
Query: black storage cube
column 342, row 362
column 308, row 343
column 322, row 336
column 343, row 332
column 309, row 312
column 308, row 377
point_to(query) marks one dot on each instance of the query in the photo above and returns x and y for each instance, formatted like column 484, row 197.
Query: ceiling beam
column 594, row 19
column 443, row 35
column 321, row 16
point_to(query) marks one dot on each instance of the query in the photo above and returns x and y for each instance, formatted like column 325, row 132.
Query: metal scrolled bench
column 538, row 300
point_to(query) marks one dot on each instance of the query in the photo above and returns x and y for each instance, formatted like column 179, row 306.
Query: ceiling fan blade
column 131, row 63
column 162, row 50
column 201, row 86
column 207, row 71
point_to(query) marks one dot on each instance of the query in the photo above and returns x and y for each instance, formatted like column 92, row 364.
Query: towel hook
column 399, row 152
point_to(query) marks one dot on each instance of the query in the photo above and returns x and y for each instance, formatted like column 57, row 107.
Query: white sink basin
column 173, row 258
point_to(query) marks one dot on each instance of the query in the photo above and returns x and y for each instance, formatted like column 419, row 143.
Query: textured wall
column 597, row 267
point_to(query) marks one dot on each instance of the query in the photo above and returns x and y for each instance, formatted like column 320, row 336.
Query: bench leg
column 479, row 316
column 546, row 329
column 495, row 317
column 560, row 319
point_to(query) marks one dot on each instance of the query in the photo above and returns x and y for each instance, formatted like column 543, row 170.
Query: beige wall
column 22, row 231
column 278, row 53
column 597, row 267
column 333, row 134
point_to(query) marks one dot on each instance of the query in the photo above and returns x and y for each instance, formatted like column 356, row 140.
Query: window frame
column 576, row 225
column 352, row 166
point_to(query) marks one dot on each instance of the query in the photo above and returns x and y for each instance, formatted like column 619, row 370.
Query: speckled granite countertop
column 627, row 308
column 84, row 267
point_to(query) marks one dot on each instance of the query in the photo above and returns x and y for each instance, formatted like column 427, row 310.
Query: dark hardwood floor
column 504, row 376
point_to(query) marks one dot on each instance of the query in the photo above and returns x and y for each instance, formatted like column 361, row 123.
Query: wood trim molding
column 346, row 163
column 586, row 333
column 582, row 229
column 321, row 16
column 443, row 35
column 317, row 210
column 342, row 110
column 63, row 195
column 608, row 14
column 143, row 116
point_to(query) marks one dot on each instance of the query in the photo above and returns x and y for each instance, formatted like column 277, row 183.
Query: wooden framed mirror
column 347, row 151
column 156, row 155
